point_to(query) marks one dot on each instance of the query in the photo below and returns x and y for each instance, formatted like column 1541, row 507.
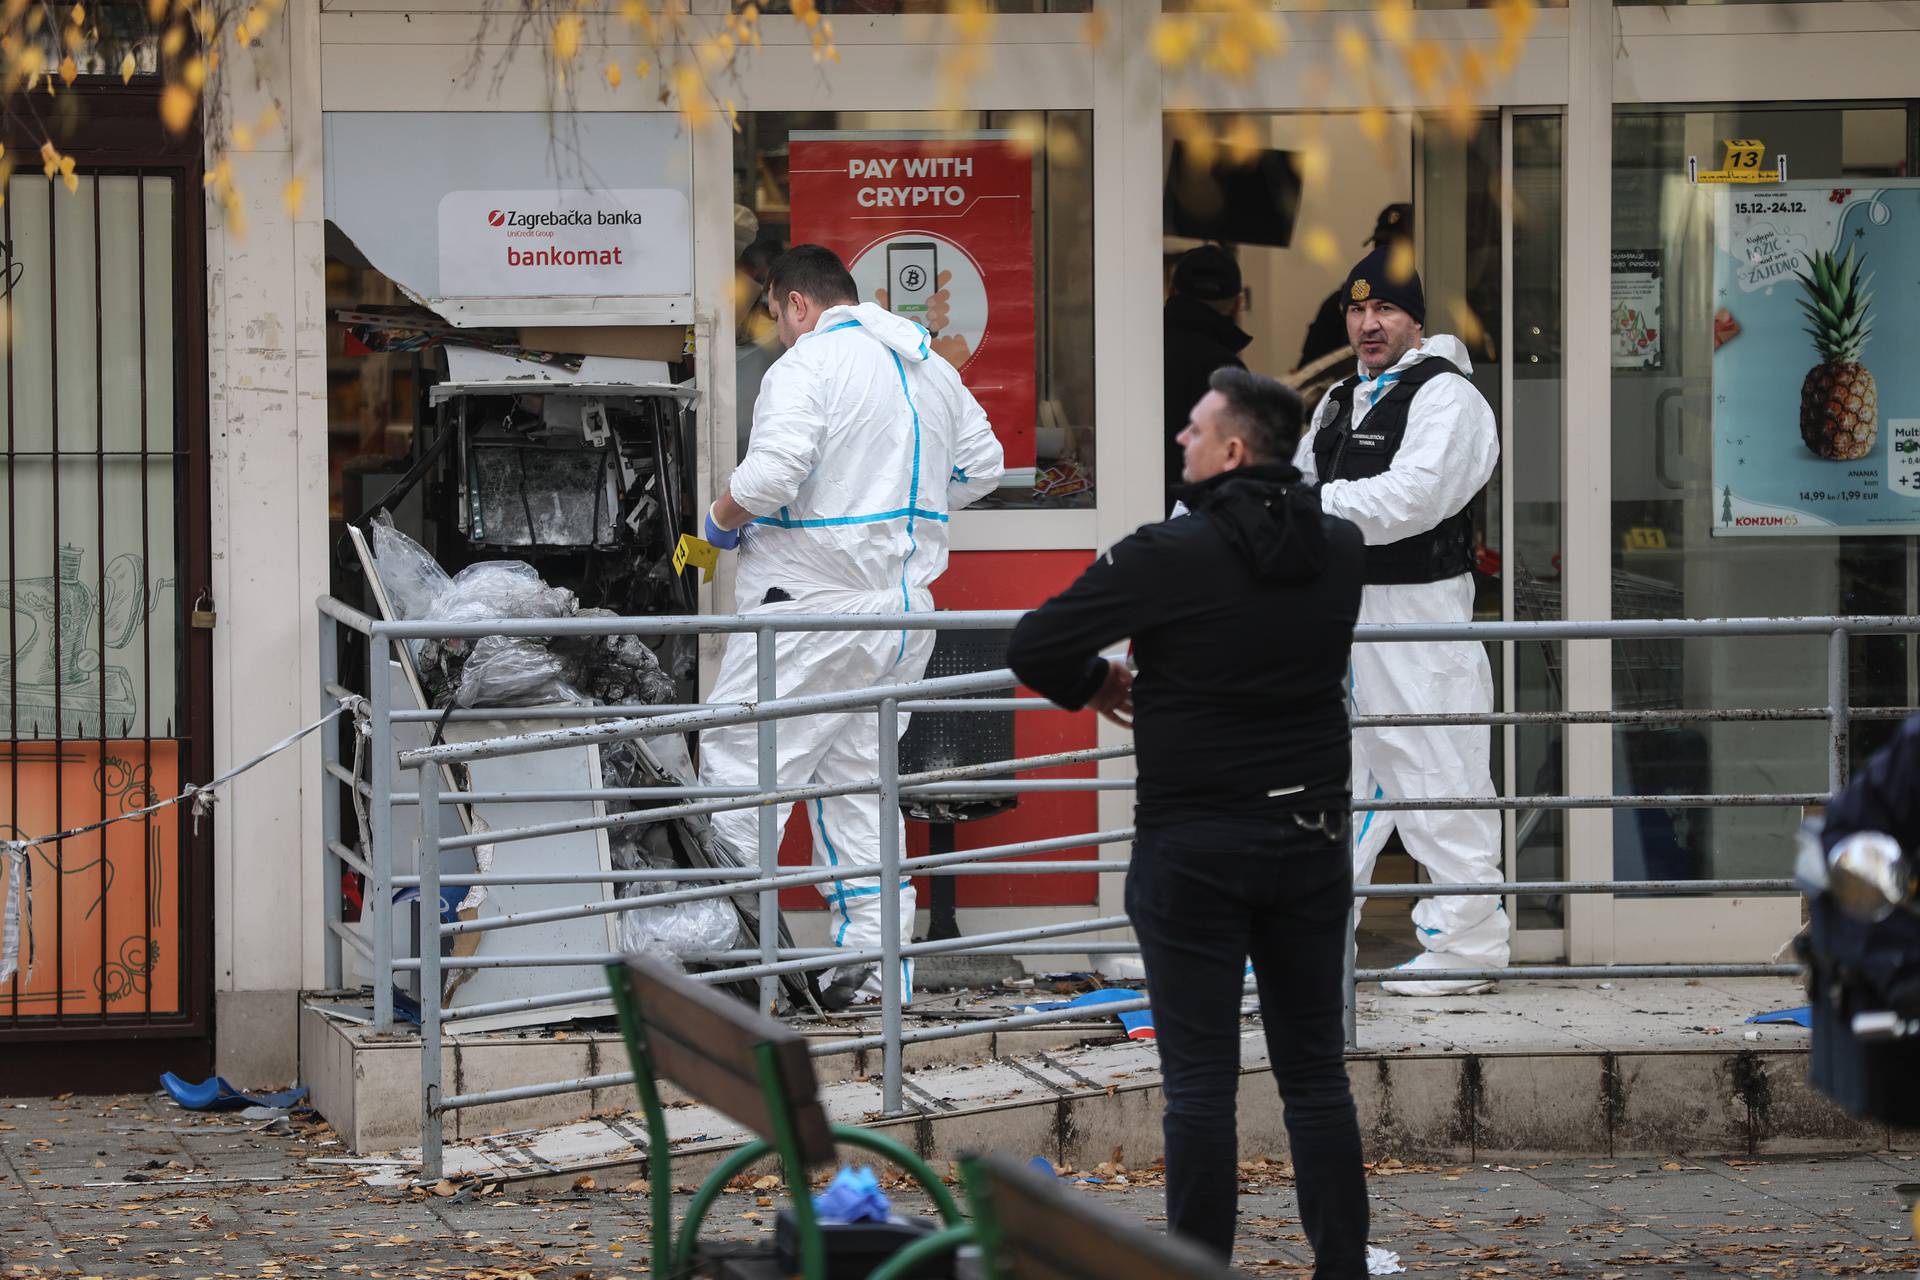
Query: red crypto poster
column 939, row 230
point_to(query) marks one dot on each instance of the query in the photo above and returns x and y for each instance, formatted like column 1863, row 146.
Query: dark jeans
column 1205, row 897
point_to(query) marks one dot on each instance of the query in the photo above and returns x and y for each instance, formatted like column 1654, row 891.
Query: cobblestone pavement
column 133, row 1186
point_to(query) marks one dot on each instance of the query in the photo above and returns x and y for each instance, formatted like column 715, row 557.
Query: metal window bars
column 378, row 796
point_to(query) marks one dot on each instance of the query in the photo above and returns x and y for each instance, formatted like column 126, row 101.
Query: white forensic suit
column 1447, row 453
column 863, row 441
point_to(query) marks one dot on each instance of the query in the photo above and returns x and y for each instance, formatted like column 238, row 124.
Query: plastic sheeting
column 413, row 579
column 504, row 671
column 493, row 671
column 681, row 929
column 510, row 671
column 16, row 911
column 500, row 671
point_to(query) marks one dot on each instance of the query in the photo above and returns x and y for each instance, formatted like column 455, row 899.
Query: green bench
column 758, row 1073
column 1030, row 1227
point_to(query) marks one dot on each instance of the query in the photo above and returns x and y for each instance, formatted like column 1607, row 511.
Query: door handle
column 1660, row 427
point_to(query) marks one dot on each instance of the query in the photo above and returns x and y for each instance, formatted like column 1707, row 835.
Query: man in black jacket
column 1200, row 333
column 1241, row 615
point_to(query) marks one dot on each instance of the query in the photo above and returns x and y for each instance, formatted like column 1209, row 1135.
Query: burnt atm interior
column 502, row 445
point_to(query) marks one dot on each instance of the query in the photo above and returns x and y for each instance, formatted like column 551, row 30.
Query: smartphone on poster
column 912, row 268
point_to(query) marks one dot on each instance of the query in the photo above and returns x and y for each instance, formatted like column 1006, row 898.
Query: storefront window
column 1724, row 457
column 974, row 233
column 1295, row 218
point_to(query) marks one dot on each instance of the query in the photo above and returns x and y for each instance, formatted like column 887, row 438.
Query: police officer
column 1400, row 448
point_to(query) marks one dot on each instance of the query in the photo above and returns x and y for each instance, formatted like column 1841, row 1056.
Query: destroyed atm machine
column 587, row 480
column 548, row 258
column 590, row 482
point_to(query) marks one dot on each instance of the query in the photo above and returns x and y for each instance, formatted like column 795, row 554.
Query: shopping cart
column 1646, row 673
column 1649, row 759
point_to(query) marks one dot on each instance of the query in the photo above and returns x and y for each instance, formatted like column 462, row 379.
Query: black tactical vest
column 1341, row 453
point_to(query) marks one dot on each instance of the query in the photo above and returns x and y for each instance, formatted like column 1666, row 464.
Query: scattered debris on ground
column 221, row 1196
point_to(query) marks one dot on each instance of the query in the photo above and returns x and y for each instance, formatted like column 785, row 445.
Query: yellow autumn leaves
column 181, row 48
column 1230, row 44
column 694, row 57
column 1378, row 54
column 689, row 61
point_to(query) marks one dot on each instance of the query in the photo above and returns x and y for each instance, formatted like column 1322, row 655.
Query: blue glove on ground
column 725, row 539
column 854, row 1195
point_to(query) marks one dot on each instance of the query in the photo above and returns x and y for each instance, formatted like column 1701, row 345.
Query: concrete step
column 368, row 1085
column 1536, row 1070
column 1080, row 1107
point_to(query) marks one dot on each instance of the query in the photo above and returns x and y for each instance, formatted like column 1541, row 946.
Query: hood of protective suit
column 1267, row 517
column 1441, row 346
column 890, row 330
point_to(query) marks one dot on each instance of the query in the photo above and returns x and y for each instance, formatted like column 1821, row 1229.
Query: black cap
column 1208, row 273
column 1374, row 277
column 1394, row 223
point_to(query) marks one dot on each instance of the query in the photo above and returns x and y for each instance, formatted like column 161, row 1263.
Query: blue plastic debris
column 405, row 1007
column 1041, row 1164
column 451, row 896
column 854, row 1195
column 1138, row 1023
column 215, row 1094
column 1803, row 1016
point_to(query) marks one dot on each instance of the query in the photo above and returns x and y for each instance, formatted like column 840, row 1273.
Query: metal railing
column 376, row 796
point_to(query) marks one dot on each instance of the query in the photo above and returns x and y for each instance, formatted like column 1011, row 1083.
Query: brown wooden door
column 104, row 686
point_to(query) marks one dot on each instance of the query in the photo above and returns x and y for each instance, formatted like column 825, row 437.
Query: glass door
column 1482, row 199
column 1490, row 256
column 1668, row 562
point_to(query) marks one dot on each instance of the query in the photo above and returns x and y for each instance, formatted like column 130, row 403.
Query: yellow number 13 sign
column 1744, row 158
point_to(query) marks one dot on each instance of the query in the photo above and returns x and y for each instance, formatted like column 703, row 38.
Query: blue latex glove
column 854, row 1195
column 725, row 539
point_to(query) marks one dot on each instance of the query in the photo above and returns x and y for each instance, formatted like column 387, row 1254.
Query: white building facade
column 1553, row 202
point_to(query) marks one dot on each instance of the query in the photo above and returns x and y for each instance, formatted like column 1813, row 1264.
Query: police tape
column 16, row 906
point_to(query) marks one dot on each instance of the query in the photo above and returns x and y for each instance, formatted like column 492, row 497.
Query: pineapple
column 1839, row 402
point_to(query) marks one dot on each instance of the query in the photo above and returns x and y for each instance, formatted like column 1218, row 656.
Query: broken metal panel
column 566, row 769
column 498, row 370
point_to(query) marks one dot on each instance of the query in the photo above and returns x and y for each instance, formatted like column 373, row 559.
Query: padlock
column 203, row 616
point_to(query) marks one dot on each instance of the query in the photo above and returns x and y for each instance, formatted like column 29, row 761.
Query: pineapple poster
column 1816, row 399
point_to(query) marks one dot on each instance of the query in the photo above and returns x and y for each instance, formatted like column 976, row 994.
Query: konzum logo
column 497, row 218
